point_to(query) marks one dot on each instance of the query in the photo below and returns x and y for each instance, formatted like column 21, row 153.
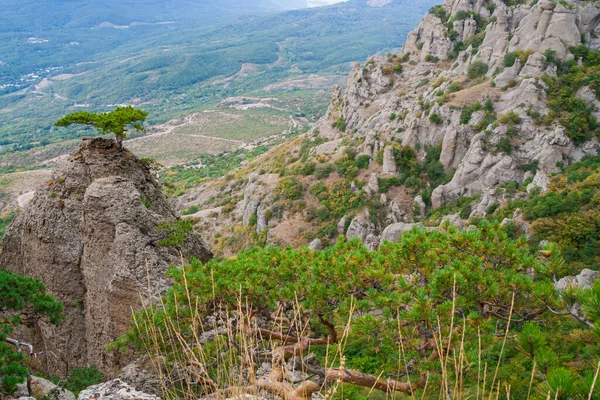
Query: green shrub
column 340, row 124
column 323, row 214
column 145, row 201
column 362, row 161
column 467, row 112
column 530, row 166
column 176, row 232
column 457, row 272
column 492, row 208
column 22, row 300
column 477, row 69
column 550, row 54
column 79, row 379
column 511, row 118
column 439, row 12
column 290, row 188
column 308, row 169
column 454, row 87
column 404, row 156
column 509, row 59
column 461, row 15
column 436, row 119
column 324, row 172
column 190, row 210
column 253, row 220
column 422, row 83
column 386, row 183
column 339, row 199
column 504, row 145
column 465, row 212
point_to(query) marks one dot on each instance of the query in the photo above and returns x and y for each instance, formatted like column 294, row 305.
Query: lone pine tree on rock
column 119, row 121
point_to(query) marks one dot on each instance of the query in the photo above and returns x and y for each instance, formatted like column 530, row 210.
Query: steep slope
column 484, row 97
column 100, row 235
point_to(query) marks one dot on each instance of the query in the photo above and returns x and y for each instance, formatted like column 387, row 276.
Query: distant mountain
column 170, row 55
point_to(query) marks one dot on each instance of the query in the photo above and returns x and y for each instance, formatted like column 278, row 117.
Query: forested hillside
column 173, row 62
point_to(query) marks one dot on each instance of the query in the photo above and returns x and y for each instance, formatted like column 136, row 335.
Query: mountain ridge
column 467, row 109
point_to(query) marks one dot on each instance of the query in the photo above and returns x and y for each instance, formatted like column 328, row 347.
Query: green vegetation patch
column 384, row 310
column 571, row 111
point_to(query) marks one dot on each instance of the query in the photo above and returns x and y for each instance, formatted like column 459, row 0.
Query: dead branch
column 19, row 344
column 368, row 381
column 330, row 327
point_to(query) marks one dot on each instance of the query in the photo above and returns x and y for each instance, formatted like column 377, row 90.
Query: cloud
column 319, row 3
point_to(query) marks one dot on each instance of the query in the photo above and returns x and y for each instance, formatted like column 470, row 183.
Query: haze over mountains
column 173, row 58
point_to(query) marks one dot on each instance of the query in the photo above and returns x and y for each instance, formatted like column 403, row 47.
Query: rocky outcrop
column 43, row 389
column 394, row 232
column 92, row 236
column 430, row 37
column 147, row 374
column 424, row 98
column 315, row 245
column 114, row 390
column 584, row 280
column 360, row 227
column 372, row 187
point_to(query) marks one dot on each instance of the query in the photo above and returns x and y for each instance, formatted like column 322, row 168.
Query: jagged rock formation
column 491, row 127
column 91, row 235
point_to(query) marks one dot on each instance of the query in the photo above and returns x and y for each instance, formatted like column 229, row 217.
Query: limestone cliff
column 91, row 235
column 469, row 89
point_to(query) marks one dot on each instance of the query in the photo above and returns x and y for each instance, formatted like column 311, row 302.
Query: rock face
column 91, row 235
column 424, row 98
column 114, row 390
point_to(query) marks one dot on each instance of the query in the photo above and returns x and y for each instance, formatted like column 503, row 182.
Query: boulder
column 508, row 75
column 114, row 390
column 360, row 227
column 584, row 280
column 144, row 374
column 534, row 67
column 371, row 241
column 341, row 226
column 43, row 389
column 315, row 245
column 453, row 220
column 21, row 390
column 420, row 205
column 372, row 187
column 541, row 181
column 389, row 162
column 394, row 232
column 432, row 33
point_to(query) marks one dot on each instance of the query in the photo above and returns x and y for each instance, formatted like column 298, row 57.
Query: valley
column 175, row 69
